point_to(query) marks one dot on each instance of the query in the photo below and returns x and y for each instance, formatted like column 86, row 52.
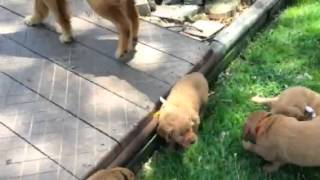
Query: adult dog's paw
column 31, row 21
column 65, row 38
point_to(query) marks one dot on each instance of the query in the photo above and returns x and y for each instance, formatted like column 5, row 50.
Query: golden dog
column 113, row 174
column 122, row 13
column 281, row 140
column 178, row 117
column 299, row 102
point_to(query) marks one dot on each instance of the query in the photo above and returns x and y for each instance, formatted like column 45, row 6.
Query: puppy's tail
column 264, row 100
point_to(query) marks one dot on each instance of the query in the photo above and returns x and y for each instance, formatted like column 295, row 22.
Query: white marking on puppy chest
column 311, row 111
column 162, row 100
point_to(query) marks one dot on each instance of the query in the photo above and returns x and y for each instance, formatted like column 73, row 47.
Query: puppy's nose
column 193, row 141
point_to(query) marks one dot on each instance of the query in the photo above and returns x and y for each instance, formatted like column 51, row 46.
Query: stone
column 152, row 5
column 204, row 28
column 143, row 7
column 248, row 2
column 222, row 8
column 193, row 2
column 170, row 2
column 176, row 12
column 200, row 16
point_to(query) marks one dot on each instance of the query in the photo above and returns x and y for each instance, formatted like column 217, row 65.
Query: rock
column 159, row 21
column 193, row 2
column 175, row 12
column 152, row 5
column 158, row 2
column 222, row 8
column 200, row 16
column 204, row 28
column 143, row 7
column 248, row 2
column 170, row 2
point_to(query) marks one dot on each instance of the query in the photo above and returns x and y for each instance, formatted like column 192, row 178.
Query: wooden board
column 70, row 142
column 20, row 160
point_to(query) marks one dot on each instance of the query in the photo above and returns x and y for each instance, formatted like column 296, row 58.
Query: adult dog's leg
column 40, row 12
column 133, row 15
column 120, row 19
column 59, row 8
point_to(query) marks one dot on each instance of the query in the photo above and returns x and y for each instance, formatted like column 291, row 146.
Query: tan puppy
column 281, row 140
column 299, row 102
column 178, row 118
column 113, row 174
column 122, row 13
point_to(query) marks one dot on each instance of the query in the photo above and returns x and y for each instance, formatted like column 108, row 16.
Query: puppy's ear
column 165, row 132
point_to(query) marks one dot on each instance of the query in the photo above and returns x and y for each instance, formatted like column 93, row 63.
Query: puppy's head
column 251, row 125
column 176, row 126
column 117, row 173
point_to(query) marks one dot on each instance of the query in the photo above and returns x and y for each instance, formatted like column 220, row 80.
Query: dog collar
column 260, row 122
column 156, row 114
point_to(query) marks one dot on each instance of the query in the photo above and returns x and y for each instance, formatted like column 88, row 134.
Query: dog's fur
column 122, row 13
column 280, row 140
column 292, row 102
column 113, row 174
column 179, row 117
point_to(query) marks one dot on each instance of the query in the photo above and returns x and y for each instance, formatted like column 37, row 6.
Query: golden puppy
column 122, row 13
column 281, row 140
column 299, row 102
column 178, row 118
column 113, row 174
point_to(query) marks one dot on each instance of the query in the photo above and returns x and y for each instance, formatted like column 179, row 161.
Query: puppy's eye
column 170, row 134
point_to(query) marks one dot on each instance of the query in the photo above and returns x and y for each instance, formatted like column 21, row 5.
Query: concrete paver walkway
column 66, row 108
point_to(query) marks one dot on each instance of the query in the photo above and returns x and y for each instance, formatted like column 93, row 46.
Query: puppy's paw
column 119, row 54
column 31, row 21
column 270, row 168
column 246, row 145
column 256, row 99
column 65, row 38
column 135, row 39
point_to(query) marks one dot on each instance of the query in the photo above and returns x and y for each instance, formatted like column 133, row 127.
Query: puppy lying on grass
column 299, row 102
column 113, row 174
column 178, row 117
column 281, row 140
column 122, row 13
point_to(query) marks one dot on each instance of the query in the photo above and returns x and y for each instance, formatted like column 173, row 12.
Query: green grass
column 286, row 53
